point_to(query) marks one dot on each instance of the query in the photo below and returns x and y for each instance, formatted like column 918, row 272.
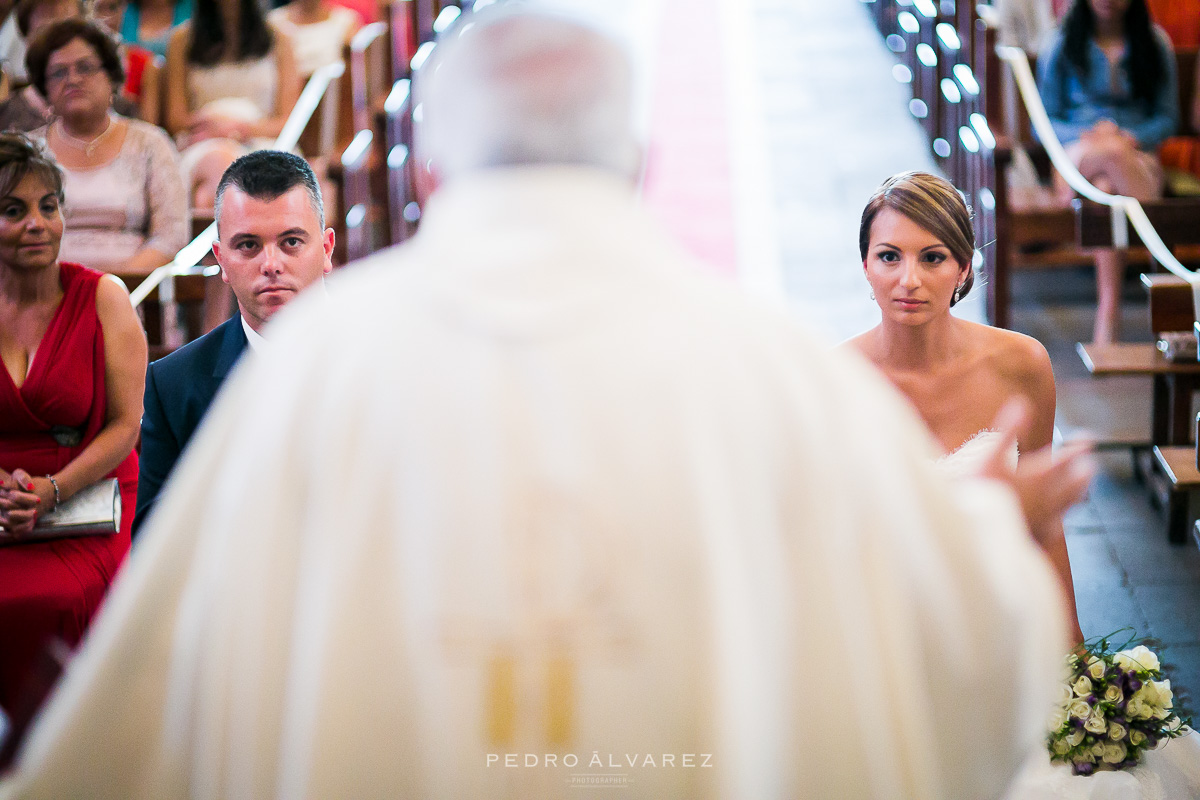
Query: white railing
column 187, row 260
column 1124, row 209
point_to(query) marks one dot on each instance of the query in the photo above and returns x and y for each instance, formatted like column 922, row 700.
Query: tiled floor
column 837, row 125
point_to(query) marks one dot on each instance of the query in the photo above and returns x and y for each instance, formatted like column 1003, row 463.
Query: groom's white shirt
column 532, row 485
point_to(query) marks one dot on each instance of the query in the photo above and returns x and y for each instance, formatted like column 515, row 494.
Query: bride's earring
column 872, row 294
column 957, row 293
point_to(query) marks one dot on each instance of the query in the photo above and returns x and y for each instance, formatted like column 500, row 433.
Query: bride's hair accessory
column 1114, row 705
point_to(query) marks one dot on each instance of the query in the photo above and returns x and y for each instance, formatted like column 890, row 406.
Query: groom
column 530, row 506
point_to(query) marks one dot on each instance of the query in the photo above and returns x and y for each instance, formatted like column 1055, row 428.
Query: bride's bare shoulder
column 864, row 343
column 1022, row 358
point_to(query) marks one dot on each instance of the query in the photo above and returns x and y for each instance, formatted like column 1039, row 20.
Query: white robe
column 531, row 485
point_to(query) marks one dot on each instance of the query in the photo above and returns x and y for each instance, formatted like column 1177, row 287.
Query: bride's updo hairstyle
column 933, row 204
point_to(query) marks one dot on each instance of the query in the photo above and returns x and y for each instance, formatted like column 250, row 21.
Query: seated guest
column 231, row 83
column 12, row 46
column 27, row 109
column 141, row 87
column 319, row 30
column 126, row 206
column 74, row 359
column 272, row 243
column 366, row 10
column 1107, row 79
column 148, row 23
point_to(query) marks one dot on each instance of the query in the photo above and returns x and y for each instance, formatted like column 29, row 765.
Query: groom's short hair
column 267, row 174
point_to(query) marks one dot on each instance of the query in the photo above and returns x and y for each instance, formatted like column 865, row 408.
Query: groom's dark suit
column 179, row 389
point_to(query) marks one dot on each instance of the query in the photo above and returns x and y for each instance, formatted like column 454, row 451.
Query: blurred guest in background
column 231, row 83
column 1107, row 79
column 126, row 206
column 142, row 72
column 318, row 29
column 12, row 46
column 28, row 109
column 367, row 10
column 148, row 23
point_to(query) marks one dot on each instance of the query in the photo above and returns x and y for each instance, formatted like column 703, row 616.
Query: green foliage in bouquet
column 1114, row 706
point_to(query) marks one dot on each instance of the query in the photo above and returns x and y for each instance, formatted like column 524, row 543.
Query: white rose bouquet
column 1112, row 708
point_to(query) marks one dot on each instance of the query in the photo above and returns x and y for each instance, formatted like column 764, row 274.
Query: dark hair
column 21, row 156
column 933, row 204
column 208, row 33
column 1145, row 55
column 61, row 34
column 267, row 174
column 25, row 9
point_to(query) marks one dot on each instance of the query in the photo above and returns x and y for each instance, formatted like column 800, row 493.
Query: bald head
column 518, row 87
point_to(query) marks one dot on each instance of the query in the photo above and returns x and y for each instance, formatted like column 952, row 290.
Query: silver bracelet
column 54, row 483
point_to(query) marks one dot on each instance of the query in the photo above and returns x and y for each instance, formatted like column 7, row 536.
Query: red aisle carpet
column 688, row 184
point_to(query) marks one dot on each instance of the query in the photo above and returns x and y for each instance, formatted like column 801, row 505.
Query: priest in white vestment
column 529, row 507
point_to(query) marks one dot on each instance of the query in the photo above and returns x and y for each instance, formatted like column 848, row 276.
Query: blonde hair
column 936, row 206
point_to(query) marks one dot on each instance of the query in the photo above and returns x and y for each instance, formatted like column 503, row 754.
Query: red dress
column 50, row 589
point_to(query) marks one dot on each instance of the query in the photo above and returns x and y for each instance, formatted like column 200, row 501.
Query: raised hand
column 1046, row 483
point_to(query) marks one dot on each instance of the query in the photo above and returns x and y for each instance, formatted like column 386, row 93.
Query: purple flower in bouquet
column 1114, row 705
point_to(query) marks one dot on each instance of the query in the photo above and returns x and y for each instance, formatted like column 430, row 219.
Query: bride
column 917, row 243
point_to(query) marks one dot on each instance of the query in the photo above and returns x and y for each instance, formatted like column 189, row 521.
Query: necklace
column 80, row 144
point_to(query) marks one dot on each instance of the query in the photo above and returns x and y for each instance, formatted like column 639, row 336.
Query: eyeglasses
column 84, row 69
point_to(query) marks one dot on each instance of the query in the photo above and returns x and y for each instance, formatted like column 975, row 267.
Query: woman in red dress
column 74, row 358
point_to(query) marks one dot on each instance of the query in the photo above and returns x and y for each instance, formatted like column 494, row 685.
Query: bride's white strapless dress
column 1172, row 772
column 966, row 459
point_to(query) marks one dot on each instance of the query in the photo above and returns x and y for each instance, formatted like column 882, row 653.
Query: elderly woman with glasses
column 126, row 206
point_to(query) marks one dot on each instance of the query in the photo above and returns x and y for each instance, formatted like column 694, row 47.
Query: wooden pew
column 943, row 46
column 395, row 124
column 359, row 218
column 1174, row 383
column 188, row 310
column 1169, row 468
column 1177, row 481
column 1176, row 220
column 402, row 32
column 374, row 170
column 1174, row 477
